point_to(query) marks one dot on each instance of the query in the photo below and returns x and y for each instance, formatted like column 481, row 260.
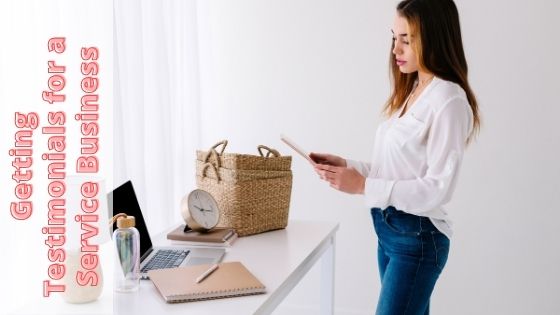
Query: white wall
column 317, row 71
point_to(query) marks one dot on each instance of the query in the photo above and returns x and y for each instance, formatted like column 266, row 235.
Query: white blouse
column 417, row 157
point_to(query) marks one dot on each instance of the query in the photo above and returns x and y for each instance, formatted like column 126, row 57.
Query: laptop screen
column 123, row 199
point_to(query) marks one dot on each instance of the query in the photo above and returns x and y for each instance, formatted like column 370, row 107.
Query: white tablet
column 296, row 148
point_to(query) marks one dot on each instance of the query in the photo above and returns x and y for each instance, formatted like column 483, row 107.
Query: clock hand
column 202, row 209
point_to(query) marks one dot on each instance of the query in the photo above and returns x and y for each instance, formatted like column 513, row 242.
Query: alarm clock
column 200, row 211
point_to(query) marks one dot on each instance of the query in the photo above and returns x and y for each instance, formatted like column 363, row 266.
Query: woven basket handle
column 212, row 151
column 270, row 152
column 213, row 167
column 215, row 146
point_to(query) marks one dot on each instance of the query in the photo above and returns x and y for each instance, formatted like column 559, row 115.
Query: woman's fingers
column 341, row 178
column 326, row 168
column 320, row 158
column 324, row 158
column 327, row 172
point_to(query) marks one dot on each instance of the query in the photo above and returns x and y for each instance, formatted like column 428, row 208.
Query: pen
column 228, row 235
column 207, row 273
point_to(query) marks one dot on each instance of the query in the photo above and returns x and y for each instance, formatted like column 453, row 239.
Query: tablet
column 297, row 148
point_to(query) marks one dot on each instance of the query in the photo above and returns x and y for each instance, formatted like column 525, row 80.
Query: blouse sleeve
column 445, row 146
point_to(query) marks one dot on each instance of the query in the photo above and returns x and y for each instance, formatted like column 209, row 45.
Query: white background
column 317, row 71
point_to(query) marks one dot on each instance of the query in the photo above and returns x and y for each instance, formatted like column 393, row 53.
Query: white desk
column 279, row 259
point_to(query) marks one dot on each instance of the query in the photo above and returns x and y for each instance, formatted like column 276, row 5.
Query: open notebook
column 230, row 279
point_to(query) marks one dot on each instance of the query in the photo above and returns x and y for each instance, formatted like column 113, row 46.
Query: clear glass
column 127, row 260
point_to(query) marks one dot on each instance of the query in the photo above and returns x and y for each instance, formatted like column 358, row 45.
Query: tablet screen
column 296, row 148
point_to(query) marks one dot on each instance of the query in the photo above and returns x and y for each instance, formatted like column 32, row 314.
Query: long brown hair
column 439, row 48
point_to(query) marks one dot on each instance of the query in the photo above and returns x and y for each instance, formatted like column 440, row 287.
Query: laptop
column 123, row 199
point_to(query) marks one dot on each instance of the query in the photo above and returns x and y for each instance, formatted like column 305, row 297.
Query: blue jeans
column 411, row 254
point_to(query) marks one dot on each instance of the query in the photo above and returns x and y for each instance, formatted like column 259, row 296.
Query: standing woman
column 431, row 115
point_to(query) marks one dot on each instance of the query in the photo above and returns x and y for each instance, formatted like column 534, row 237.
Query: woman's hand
column 327, row 159
column 345, row 179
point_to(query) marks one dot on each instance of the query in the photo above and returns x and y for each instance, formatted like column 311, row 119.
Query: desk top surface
column 274, row 258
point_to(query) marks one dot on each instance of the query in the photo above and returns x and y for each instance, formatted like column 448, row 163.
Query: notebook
column 214, row 237
column 230, row 279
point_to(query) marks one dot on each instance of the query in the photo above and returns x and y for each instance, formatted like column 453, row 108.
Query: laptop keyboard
column 166, row 258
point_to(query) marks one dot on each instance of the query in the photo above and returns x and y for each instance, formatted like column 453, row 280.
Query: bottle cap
column 126, row 222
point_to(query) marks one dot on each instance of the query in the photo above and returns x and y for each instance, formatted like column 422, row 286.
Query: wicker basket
column 251, row 200
column 270, row 159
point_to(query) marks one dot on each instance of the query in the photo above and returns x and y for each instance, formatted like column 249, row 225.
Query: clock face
column 203, row 208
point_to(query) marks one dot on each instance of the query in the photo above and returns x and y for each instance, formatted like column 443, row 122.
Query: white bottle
column 127, row 243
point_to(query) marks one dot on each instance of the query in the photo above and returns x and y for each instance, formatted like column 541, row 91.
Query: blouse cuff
column 377, row 192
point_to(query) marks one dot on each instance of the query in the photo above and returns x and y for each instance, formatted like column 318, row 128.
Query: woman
column 431, row 114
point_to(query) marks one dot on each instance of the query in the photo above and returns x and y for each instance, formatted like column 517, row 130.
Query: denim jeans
column 411, row 254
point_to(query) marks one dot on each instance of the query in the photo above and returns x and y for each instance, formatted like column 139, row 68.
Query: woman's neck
column 424, row 77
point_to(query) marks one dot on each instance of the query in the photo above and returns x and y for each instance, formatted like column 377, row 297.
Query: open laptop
column 123, row 199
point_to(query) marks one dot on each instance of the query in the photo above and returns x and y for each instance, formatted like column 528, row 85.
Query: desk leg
column 327, row 279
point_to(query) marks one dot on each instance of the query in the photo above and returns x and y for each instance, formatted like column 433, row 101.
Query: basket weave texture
column 253, row 192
